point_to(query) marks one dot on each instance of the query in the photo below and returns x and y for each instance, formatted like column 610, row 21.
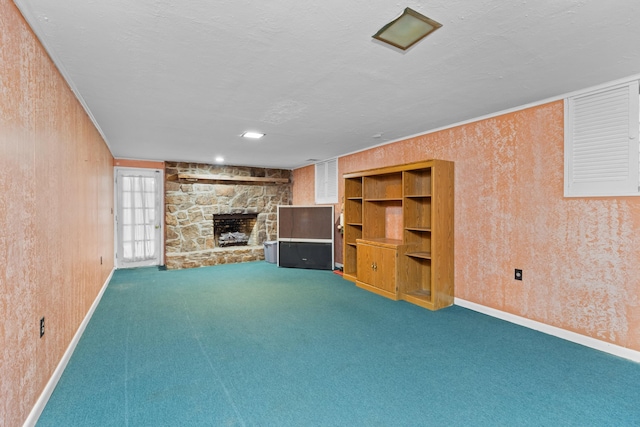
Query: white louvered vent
column 327, row 182
column 601, row 142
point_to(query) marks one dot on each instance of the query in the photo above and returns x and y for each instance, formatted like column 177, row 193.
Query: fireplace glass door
column 138, row 220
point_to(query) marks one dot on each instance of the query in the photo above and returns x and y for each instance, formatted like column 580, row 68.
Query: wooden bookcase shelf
column 398, row 238
column 423, row 255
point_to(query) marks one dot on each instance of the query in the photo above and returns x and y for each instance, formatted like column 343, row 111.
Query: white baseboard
column 596, row 344
column 36, row 411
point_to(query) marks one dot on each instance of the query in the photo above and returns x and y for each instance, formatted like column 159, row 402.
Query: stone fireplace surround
column 190, row 206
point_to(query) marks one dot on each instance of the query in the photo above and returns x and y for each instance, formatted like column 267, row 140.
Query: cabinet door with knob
column 377, row 268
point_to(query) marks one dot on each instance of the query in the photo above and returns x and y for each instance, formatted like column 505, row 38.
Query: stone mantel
column 210, row 177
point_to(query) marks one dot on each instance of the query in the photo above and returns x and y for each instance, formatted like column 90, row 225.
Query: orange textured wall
column 304, row 193
column 56, row 196
column 579, row 256
column 304, row 186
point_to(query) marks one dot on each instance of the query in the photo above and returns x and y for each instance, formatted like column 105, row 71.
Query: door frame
column 161, row 243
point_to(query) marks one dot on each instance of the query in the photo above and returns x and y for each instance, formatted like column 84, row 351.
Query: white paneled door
column 139, row 217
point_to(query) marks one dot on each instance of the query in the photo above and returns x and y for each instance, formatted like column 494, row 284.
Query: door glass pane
column 139, row 204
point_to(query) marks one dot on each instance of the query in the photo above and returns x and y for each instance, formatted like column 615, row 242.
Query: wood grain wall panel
column 579, row 255
column 56, row 200
column 141, row 164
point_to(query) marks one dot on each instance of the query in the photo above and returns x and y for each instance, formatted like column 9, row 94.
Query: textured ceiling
column 168, row 80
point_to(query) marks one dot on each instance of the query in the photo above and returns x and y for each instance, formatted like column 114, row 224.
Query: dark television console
column 305, row 237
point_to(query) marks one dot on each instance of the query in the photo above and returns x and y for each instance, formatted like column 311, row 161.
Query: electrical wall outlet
column 518, row 274
column 41, row 327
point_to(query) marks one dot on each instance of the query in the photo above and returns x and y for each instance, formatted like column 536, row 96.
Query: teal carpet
column 256, row 345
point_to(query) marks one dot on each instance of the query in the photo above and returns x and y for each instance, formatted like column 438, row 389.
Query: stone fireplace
column 203, row 202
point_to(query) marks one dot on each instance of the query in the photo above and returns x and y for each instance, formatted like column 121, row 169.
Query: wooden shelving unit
column 352, row 226
column 398, row 239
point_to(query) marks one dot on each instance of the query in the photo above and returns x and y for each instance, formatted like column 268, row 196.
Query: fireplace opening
column 234, row 229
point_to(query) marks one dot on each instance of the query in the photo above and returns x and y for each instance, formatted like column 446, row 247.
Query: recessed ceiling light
column 219, row 159
column 407, row 30
column 252, row 135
